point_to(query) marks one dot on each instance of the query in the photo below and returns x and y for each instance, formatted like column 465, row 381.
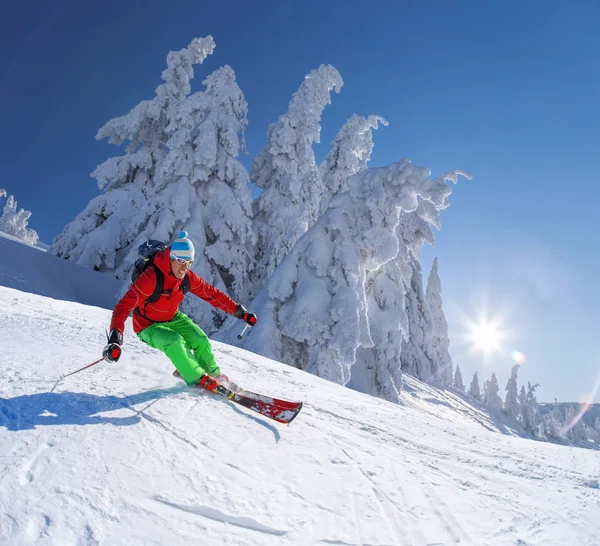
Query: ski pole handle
column 240, row 336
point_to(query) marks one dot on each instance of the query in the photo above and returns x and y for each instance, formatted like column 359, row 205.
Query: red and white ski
column 279, row 410
column 282, row 411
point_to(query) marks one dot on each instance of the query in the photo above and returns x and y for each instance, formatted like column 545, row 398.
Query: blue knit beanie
column 182, row 247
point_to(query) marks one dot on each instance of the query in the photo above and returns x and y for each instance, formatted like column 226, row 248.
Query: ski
column 280, row 402
column 282, row 411
column 265, row 406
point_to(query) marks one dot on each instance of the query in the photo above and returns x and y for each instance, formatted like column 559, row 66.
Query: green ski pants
column 185, row 344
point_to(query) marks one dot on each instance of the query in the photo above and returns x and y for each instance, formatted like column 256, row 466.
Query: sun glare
column 485, row 337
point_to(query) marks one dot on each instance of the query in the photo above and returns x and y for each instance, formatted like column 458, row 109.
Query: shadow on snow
column 74, row 408
column 71, row 408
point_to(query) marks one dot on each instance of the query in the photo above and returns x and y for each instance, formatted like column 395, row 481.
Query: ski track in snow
column 125, row 454
column 216, row 515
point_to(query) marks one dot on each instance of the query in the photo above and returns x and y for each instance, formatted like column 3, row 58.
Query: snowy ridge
column 30, row 269
column 125, row 454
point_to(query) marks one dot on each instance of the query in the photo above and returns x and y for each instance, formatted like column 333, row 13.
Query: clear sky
column 508, row 91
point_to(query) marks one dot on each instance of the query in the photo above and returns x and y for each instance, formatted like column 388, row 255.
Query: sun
column 485, row 337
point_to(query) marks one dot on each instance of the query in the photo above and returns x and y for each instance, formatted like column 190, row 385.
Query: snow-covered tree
column 190, row 178
column 414, row 230
column 105, row 235
column 13, row 221
column 349, row 154
column 491, row 399
column 418, row 356
column 287, row 172
column 458, row 380
column 441, row 340
column 377, row 369
column 531, row 411
column 512, row 407
column 203, row 149
column 314, row 308
column 474, row 390
column 396, row 305
column 522, row 397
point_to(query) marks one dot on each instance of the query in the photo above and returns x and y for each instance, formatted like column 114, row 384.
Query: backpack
column 147, row 251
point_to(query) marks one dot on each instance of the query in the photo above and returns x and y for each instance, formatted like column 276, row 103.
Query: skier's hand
column 207, row 382
column 249, row 318
column 242, row 313
column 112, row 351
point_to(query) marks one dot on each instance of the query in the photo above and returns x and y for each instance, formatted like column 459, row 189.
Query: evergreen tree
column 474, row 388
column 106, row 234
column 349, row 154
column 439, row 329
column 512, row 407
column 189, row 178
column 314, row 311
column 13, row 221
column 458, row 380
column 491, row 399
column 531, row 411
column 418, row 356
column 287, row 172
column 203, row 149
column 522, row 398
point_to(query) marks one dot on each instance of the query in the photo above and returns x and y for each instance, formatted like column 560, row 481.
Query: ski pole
column 243, row 331
column 76, row 371
column 81, row 369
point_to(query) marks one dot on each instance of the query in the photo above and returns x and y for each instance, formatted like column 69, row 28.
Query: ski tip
column 297, row 412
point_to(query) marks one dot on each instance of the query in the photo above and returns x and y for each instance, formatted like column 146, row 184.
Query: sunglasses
column 183, row 261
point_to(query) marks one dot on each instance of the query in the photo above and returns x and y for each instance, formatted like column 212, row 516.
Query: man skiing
column 161, row 325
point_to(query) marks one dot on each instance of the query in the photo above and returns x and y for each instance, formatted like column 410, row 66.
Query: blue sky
column 508, row 91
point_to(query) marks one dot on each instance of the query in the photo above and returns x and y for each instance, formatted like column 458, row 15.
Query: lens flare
column 518, row 357
column 583, row 407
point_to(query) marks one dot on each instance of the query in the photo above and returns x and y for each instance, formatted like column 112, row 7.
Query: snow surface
column 33, row 270
column 124, row 453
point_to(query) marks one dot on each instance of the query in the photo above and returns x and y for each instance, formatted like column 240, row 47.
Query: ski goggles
column 183, row 261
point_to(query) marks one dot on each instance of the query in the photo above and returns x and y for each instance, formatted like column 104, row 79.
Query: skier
column 161, row 325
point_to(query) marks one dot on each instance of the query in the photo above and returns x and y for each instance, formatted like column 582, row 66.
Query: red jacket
column 166, row 307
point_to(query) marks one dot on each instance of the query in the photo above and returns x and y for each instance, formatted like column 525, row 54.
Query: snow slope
column 32, row 270
column 125, row 454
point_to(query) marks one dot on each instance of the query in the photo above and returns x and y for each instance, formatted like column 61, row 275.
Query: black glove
column 112, row 351
column 242, row 313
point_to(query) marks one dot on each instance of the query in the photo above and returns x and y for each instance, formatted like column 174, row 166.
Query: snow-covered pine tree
column 349, row 154
column 287, row 172
column 395, row 306
column 522, row 399
column 314, row 308
column 418, row 356
column 458, row 380
column 203, row 149
column 106, row 234
column 441, row 340
column 554, row 426
column 377, row 369
column 13, row 221
column 474, row 390
column 491, row 399
column 531, row 411
column 512, row 407
column 193, row 179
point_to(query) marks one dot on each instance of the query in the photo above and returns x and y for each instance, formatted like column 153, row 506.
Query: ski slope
column 124, row 453
column 31, row 269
